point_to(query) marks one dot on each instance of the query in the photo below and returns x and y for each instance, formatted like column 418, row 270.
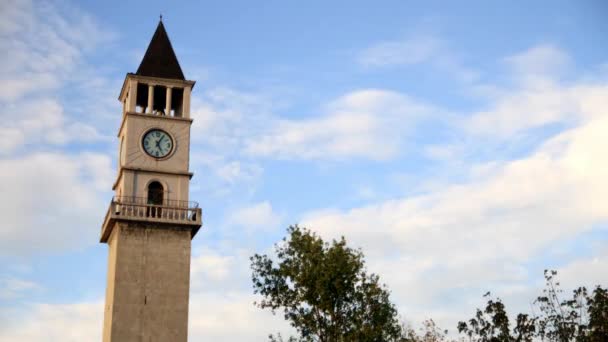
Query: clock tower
column 150, row 221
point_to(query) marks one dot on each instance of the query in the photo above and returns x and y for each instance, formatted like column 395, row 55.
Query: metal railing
column 155, row 212
column 165, row 203
column 134, row 209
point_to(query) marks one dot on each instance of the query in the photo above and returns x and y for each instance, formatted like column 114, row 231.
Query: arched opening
column 155, row 193
column 155, row 197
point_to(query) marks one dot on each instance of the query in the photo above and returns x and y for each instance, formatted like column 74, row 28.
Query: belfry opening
column 159, row 100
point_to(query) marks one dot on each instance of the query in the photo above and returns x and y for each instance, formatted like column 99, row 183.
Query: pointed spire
column 160, row 59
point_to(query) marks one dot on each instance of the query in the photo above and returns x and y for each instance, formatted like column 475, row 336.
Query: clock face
column 157, row 143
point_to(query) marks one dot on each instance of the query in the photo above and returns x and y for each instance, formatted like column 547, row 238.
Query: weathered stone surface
column 148, row 284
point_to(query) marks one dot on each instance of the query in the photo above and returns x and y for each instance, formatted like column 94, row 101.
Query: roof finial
column 161, row 17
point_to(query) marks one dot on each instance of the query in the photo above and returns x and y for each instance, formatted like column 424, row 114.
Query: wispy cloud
column 482, row 232
column 43, row 49
column 539, row 97
column 256, row 217
column 416, row 50
column 42, row 46
column 363, row 124
column 368, row 124
column 12, row 287
column 542, row 60
column 52, row 196
column 53, row 193
column 42, row 122
column 53, row 322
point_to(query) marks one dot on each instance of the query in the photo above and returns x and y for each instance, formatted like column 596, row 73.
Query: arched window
column 155, row 193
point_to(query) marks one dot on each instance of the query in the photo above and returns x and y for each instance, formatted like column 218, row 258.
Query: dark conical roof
column 160, row 59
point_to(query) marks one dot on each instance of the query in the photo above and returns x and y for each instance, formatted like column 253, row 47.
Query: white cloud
column 211, row 267
column 227, row 316
column 457, row 241
column 224, row 117
column 221, row 280
column 52, row 201
column 539, row 99
column 44, row 78
column 555, row 190
column 371, row 124
column 368, row 124
column 228, row 171
column 220, row 176
column 12, row 287
column 220, row 270
column 42, row 46
column 589, row 271
column 231, row 316
column 414, row 50
column 77, row 322
column 531, row 107
column 480, row 234
column 541, row 60
column 39, row 123
column 221, row 307
column 443, row 151
column 258, row 216
column 403, row 52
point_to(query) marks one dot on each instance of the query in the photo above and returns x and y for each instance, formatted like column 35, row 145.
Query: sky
column 460, row 145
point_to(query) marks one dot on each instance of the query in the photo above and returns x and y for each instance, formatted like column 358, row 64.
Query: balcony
column 171, row 213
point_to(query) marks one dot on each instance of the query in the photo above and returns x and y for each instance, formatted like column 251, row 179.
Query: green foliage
column 582, row 318
column 598, row 315
column 324, row 291
column 561, row 320
column 492, row 325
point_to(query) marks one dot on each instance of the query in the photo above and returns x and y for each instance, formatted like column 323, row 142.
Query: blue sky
column 460, row 145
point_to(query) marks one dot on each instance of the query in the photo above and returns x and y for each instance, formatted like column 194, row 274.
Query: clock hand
column 160, row 140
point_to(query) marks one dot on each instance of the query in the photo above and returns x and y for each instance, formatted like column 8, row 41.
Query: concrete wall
column 148, row 284
column 133, row 183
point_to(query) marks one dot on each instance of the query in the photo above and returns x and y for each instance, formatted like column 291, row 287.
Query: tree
column 324, row 291
column 582, row 318
column 429, row 332
column 492, row 325
column 598, row 315
column 559, row 320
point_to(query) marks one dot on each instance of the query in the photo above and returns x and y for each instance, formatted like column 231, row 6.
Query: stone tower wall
column 147, row 293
